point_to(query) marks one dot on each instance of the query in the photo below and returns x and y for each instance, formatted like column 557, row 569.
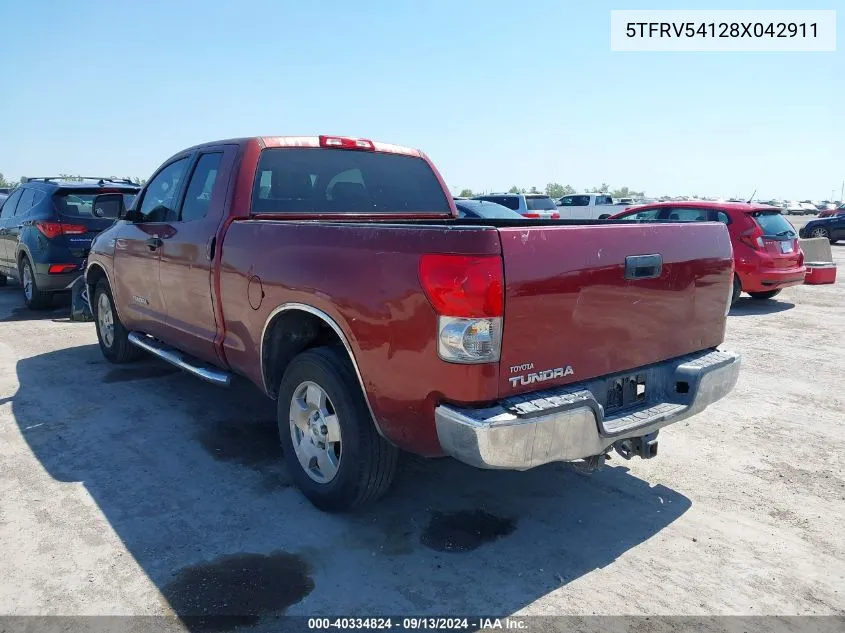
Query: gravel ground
column 140, row 490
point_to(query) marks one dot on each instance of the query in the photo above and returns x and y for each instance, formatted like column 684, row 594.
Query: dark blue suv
column 46, row 230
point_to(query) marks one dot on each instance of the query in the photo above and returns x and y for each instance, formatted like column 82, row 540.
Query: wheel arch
column 93, row 274
column 292, row 328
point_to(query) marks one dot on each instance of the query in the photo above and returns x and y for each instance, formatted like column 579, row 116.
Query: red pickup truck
column 335, row 274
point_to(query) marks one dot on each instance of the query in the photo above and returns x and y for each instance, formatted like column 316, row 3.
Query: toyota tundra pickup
column 335, row 274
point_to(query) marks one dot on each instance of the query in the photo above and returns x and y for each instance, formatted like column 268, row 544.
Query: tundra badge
column 541, row 376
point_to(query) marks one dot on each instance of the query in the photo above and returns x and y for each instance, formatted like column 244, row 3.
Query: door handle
column 154, row 242
column 643, row 266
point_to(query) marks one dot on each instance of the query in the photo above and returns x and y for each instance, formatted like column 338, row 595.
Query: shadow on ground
column 192, row 479
column 746, row 306
column 58, row 310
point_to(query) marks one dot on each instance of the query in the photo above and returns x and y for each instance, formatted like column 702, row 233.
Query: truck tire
column 112, row 336
column 32, row 296
column 737, row 289
column 768, row 294
column 2, row 279
column 332, row 449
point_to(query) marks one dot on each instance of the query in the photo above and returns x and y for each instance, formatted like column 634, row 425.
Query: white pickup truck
column 586, row 206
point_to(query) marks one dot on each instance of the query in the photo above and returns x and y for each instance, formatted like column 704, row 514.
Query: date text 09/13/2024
column 418, row 623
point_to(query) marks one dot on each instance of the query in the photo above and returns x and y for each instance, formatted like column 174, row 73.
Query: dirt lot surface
column 140, row 490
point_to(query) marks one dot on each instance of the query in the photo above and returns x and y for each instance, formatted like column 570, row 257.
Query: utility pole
column 842, row 193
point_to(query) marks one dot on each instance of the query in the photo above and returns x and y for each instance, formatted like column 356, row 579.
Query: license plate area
column 786, row 247
column 625, row 392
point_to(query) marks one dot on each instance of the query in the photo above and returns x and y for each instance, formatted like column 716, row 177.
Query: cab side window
column 200, row 187
column 159, row 200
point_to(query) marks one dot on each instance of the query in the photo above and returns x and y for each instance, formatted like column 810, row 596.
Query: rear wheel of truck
column 2, row 279
column 737, row 290
column 768, row 294
column 112, row 336
column 332, row 449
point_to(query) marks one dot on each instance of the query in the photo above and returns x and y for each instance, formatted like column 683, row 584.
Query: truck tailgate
column 569, row 302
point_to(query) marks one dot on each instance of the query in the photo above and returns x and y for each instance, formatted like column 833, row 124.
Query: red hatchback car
column 767, row 257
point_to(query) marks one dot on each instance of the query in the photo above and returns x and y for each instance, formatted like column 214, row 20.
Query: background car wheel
column 332, row 449
column 764, row 295
column 821, row 232
column 737, row 290
column 112, row 336
column 604, row 217
column 2, row 280
column 32, row 296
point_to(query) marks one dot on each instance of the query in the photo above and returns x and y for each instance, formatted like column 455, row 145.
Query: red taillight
column 464, row 285
column 343, row 142
column 555, row 215
column 54, row 229
column 56, row 269
column 531, row 215
column 800, row 257
column 753, row 237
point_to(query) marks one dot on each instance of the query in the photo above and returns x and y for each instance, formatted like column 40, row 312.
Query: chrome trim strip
column 174, row 357
column 304, row 307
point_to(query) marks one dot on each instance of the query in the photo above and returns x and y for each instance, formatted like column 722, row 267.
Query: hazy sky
column 497, row 93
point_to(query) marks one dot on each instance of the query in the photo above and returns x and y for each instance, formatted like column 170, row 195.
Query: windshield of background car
column 773, row 224
column 312, row 180
column 540, row 203
column 79, row 203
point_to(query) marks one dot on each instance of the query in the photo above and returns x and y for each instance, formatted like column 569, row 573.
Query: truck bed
column 567, row 302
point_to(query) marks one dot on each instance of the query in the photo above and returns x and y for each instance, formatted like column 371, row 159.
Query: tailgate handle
column 643, row 266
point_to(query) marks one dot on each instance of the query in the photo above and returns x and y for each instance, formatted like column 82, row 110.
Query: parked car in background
column 767, row 257
column 484, row 209
column 809, row 208
column 530, row 205
column 794, row 207
column 831, row 227
column 831, row 209
column 46, row 229
column 334, row 273
column 586, row 206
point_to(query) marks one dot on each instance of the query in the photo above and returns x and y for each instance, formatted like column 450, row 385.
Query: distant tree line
column 557, row 190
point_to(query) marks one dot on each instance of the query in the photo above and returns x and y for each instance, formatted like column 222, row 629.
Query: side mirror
column 109, row 206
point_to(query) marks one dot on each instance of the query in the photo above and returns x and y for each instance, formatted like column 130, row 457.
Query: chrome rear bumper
column 569, row 423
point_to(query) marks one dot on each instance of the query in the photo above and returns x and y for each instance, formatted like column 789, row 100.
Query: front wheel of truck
column 332, row 449
column 111, row 334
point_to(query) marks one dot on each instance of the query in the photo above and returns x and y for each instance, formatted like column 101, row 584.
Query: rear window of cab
column 319, row 180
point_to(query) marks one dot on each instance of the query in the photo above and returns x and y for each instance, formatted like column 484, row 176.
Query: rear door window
column 679, row 214
column 311, row 180
column 645, row 214
column 575, row 201
column 198, row 196
column 10, row 204
column 26, row 201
